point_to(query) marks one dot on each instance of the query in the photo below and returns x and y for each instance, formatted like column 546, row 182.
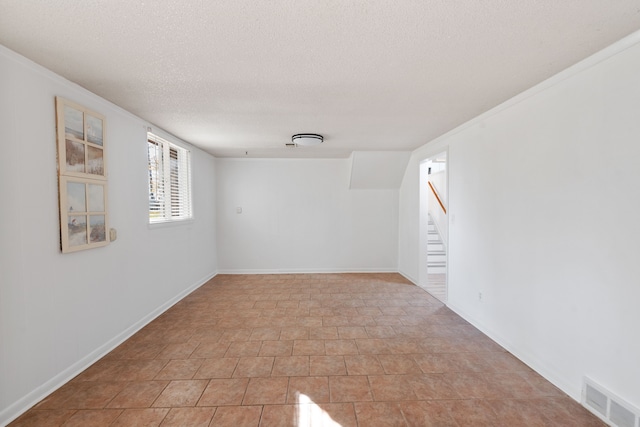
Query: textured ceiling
column 235, row 75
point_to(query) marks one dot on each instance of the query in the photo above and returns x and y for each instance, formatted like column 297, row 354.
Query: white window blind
column 169, row 181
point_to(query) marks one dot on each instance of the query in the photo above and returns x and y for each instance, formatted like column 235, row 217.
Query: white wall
column 376, row 170
column 544, row 195
column 58, row 312
column 298, row 215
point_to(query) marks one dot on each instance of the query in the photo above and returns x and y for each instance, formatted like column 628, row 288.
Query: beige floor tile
column 470, row 412
column 352, row 332
column 433, row 386
column 427, row 413
column 305, row 389
column 93, row 417
column 263, row 334
column 340, row 347
column 327, row 365
column 253, row 367
column 266, row 391
column 363, row 364
column 192, row 417
column 323, row 333
column 223, row 392
column 391, row 387
column 141, row 417
column 349, row 389
column 177, row 351
column 276, row 348
column 207, row 349
column 379, row 414
column 294, row 333
column 237, row 416
column 280, row 415
column 243, row 349
column 179, row 369
column 290, row 366
column 342, row 414
column 308, row 348
column 138, row 394
column 217, row 368
column 180, row 393
column 96, row 395
column 372, row 346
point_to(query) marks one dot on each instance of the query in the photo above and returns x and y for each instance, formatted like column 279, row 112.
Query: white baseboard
column 533, row 362
column 409, row 278
column 307, row 270
column 17, row 408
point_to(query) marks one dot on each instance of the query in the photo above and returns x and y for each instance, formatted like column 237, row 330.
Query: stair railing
column 435, row 193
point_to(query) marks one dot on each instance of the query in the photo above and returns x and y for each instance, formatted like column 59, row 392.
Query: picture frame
column 84, row 221
column 82, row 177
column 81, row 141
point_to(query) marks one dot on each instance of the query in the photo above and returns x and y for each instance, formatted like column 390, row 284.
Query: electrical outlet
column 479, row 296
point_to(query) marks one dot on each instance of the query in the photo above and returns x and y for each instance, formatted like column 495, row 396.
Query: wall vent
column 621, row 416
column 596, row 400
column 609, row 407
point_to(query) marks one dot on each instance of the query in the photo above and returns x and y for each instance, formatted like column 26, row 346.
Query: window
column 169, row 181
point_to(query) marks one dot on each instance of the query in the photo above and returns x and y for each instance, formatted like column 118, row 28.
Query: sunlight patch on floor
column 312, row 415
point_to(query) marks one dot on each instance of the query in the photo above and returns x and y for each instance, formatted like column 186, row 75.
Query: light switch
column 239, row 210
column 113, row 234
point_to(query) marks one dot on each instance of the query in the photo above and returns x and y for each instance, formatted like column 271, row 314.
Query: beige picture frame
column 81, row 141
column 82, row 177
column 84, row 221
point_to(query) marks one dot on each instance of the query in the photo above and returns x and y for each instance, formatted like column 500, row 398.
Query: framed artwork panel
column 81, row 141
column 83, row 214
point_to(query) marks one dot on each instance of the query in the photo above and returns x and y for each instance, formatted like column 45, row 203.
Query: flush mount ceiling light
column 307, row 139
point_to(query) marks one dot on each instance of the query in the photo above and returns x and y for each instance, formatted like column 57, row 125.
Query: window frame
column 168, row 180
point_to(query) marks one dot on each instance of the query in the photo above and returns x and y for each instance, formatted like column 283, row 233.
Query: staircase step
column 436, row 251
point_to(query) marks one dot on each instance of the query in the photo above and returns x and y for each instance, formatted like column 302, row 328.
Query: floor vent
column 609, row 407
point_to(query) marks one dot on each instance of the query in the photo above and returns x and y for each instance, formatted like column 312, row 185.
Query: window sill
column 169, row 223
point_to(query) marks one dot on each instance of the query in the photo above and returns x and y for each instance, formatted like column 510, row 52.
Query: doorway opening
column 434, row 226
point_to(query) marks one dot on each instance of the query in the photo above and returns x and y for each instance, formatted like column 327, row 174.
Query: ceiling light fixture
column 307, row 139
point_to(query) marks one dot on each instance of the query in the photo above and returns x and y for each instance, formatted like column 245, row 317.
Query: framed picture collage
column 82, row 177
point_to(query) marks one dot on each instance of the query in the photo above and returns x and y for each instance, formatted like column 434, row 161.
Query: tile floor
column 308, row 350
